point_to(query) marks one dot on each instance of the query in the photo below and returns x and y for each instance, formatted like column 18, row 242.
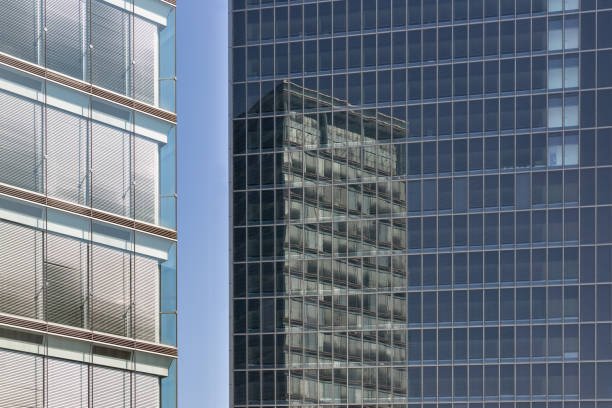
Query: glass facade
column 87, row 204
column 421, row 212
column 124, row 46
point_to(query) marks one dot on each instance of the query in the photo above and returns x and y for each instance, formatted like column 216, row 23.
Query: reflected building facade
column 318, row 228
column 420, row 207
column 87, row 204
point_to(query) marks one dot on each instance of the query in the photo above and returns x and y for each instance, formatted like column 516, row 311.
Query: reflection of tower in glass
column 338, row 244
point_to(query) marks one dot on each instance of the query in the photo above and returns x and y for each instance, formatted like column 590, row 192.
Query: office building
column 421, row 203
column 87, row 203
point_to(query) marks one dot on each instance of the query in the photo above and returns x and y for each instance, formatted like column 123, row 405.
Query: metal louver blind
column 66, row 40
column 67, row 281
column 111, row 57
column 111, row 178
column 146, row 284
column 111, row 388
column 67, row 158
column 146, row 391
column 72, row 384
column 19, row 29
column 145, row 59
column 20, row 271
column 146, row 190
column 111, row 291
column 67, row 384
column 21, row 380
column 21, row 143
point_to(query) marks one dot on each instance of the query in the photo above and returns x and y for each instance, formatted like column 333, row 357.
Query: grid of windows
column 421, row 206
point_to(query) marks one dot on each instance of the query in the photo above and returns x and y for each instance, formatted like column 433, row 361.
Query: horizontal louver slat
column 66, row 38
column 71, row 384
column 21, row 380
column 146, row 391
column 21, row 270
column 67, row 156
column 21, row 145
column 67, row 281
column 146, row 189
column 111, row 59
column 19, row 31
column 111, row 179
column 145, row 44
column 146, row 283
column 67, row 384
column 111, row 291
column 72, row 273
column 111, row 388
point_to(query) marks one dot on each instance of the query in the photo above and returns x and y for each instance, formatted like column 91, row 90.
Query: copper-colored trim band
column 87, row 335
column 86, row 211
column 87, row 88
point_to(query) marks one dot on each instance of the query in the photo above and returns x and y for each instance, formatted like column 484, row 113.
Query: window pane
column 555, row 34
column 555, row 150
column 555, row 72
column 555, row 111
column 571, row 150
column 571, row 33
column 570, row 117
column 571, row 71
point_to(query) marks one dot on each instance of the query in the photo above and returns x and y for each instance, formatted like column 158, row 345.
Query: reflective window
column 405, row 211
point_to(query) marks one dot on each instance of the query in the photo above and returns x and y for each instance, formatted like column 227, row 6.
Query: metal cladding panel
column 21, row 142
column 66, row 37
column 67, row 384
column 146, row 391
column 67, row 281
column 146, row 284
column 19, row 28
column 111, row 388
column 111, row 296
column 145, row 60
column 21, row 277
column 21, row 380
column 67, row 158
column 111, row 179
column 146, row 189
column 111, row 56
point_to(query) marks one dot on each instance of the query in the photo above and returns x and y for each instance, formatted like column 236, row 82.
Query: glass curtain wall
column 420, row 203
column 123, row 46
column 97, row 154
column 83, row 128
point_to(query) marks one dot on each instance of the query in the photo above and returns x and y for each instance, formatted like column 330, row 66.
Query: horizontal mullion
column 85, row 211
column 86, row 335
column 85, row 87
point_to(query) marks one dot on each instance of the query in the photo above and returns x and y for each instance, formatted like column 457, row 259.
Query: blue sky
column 203, row 203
